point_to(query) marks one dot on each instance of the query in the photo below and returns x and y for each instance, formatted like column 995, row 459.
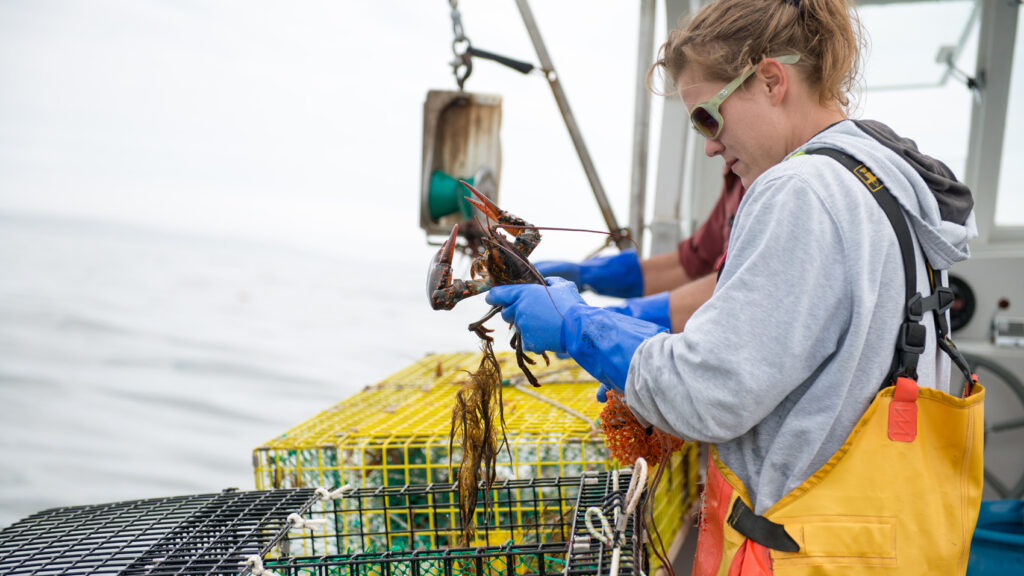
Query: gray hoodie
column 780, row 364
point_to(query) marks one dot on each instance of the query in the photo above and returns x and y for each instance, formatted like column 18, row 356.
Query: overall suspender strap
column 945, row 297
column 911, row 340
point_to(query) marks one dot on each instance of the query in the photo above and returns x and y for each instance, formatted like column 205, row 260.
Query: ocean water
column 137, row 363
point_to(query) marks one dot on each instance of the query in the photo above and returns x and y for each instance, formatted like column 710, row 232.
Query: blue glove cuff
column 603, row 342
column 617, row 275
column 654, row 308
column 568, row 270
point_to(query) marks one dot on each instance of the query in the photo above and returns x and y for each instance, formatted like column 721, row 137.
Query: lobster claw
column 439, row 275
column 482, row 202
column 526, row 234
column 443, row 290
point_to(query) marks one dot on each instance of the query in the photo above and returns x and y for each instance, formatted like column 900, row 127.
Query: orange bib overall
column 901, row 496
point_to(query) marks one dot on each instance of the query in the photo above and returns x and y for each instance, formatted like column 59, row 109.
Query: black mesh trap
column 203, row 534
column 587, row 554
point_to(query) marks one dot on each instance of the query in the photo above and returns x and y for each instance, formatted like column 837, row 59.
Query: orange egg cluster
column 627, row 440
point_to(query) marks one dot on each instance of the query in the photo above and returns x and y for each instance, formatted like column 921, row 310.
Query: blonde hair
column 725, row 37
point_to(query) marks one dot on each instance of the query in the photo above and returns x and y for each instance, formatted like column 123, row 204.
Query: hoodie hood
column 937, row 205
column 954, row 197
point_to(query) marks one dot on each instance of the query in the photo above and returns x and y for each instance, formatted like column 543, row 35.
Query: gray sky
column 298, row 122
column 301, row 122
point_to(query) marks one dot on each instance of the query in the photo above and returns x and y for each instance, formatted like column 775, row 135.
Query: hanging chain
column 462, row 63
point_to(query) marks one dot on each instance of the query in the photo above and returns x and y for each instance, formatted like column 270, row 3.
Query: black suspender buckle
column 946, row 297
column 939, row 302
column 912, row 338
column 915, row 307
column 909, row 347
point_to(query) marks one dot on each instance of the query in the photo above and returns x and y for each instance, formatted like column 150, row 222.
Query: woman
column 813, row 469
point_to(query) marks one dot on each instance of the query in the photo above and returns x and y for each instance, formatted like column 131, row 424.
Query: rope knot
column 327, row 495
column 255, row 565
column 299, row 523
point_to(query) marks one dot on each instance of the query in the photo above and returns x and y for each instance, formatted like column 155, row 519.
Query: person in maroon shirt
column 668, row 288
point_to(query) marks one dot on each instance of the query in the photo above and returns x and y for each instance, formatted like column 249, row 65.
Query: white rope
column 255, row 565
column 605, row 534
column 299, row 523
column 326, row 495
column 636, row 485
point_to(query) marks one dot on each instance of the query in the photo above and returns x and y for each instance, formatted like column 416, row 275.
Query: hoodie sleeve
column 777, row 314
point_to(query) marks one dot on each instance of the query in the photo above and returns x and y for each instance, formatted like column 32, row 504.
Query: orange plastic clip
column 969, row 386
column 903, row 411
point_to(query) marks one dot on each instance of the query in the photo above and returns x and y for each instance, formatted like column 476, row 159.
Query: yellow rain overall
column 901, row 496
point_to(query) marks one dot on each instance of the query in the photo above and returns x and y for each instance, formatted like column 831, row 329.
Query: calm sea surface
column 139, row 364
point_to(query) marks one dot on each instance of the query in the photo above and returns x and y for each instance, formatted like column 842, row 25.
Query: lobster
column 478, row 415
column 502, row 262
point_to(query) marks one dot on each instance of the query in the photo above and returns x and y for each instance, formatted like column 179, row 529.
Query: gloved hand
column 616, row 275
column 603, row 343
column 653, row 308
column 557, row 319
column 537, row 311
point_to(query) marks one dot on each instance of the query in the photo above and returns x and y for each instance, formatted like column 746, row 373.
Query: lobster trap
column 507, row 560
column 554, row 539
column 396, row 433
column 425, row 517
column 588, row 554
column 530, row 527
column 201, row 534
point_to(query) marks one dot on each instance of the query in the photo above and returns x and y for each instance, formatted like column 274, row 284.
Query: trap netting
column 555, row 541
column 396, row 433
column 201, row 534
column 353, row 521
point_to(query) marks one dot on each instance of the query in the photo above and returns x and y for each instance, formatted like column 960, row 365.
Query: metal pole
column 673, row 204
column 570, row 122
column 641, row 124
column 997, row 35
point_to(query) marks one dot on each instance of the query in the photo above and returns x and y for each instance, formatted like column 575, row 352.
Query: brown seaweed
column 476, row 431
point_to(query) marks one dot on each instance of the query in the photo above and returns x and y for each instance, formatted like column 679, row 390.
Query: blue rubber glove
column 603, row 343
column 568, row 270
column 537, row 311
column 616, row 275
column 557, row 319
column 652, row 308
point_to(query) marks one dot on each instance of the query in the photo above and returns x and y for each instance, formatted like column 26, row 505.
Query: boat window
column 1010, row 199
column 908, row 82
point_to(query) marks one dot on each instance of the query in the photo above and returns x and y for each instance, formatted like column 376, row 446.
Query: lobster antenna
column 558, row 229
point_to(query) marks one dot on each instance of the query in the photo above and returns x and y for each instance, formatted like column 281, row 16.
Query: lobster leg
column 478, row 326
column 522, row 359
